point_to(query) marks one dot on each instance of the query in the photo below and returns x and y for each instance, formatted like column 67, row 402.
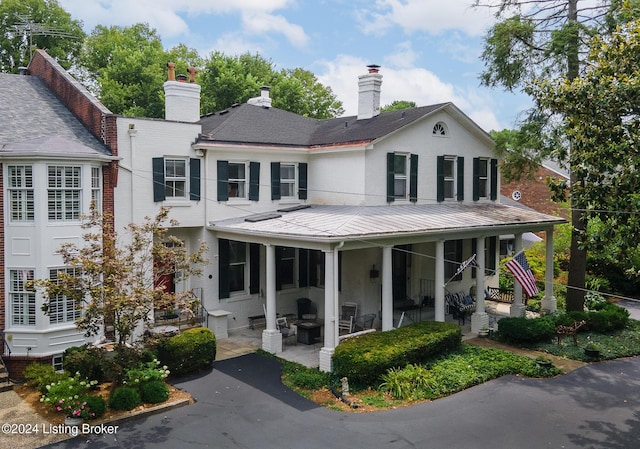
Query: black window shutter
column 413, row 178
column 490, row 267
column 303, row 267
column 302, row 181
column 194, row 179
column 494, row 179
column 275, row 180
column 476, row 178
column 316, row 259
column 440, row 178
column 474, row 250
column 458, row 257
column 278, row 252
column 460, row 179
column 339, row 271
column 254, row 181
column 223, row 180
column 158, row 179
column 390, row 178
column 224, row 250
column 254, row 268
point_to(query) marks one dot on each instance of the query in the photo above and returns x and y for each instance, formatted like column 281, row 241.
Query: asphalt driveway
column 242, row 404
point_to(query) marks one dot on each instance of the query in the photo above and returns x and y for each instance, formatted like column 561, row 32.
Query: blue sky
column 428, row 50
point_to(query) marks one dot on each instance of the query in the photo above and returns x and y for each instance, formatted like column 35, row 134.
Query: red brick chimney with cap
column 369, row 93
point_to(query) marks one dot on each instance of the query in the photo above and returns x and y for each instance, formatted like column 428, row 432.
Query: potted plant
column 544, row 362
column 592, row 350
column 75, row 411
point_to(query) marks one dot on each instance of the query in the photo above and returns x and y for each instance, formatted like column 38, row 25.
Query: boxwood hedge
column 365, row 358
column 189, row 352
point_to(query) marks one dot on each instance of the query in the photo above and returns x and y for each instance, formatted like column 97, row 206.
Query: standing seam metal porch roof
column 354, row 222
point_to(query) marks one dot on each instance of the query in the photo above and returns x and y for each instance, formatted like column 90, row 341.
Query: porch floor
column 245, row 341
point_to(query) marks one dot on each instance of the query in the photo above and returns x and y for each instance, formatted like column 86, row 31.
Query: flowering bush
column 148, row 372
column 68, row 395
column 74, row 408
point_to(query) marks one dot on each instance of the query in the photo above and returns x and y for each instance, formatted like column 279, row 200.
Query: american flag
column 519, row 267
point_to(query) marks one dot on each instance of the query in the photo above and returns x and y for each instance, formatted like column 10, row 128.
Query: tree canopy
column 29, row 24
column 546, row 40
column 227, row 80
column 601, row 111
column 396, row 105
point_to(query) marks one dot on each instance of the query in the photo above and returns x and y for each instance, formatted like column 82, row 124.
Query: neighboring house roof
column 251, row 124
column 360, row 222
column 30, row 111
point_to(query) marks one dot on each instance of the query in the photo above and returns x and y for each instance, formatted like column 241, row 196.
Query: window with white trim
column 64, row 192
column 63, row 309
column 175, row 178
column 449, row 177
column 20, row 192
column 483, row 178
column 237, row 267
column 439, row 129
column 237, row 180
column 57, row 362
column 23, row 300
column 400, row 178
column 96, row 188
column 286, row 267
column 287, row 180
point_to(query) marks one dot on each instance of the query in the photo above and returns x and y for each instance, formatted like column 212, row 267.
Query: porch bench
column 254, row 318
column 503, row 295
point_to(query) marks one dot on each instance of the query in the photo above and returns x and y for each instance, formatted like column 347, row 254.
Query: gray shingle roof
column 247, row 123
column 359, row 222
column 30, row 111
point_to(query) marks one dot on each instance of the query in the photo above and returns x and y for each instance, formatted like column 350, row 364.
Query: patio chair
column 364, row 322
column 348, row 312
column 286, row 330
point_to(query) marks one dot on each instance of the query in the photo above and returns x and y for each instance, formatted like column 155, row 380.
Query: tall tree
column 546, row 39
column 227, row 80
column 29, row 24
column 126, row 68
column 115, row 278
column 601, row 111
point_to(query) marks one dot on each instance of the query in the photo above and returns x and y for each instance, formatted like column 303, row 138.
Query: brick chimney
column 263, row 100
column 182, row 98
column 369, row 93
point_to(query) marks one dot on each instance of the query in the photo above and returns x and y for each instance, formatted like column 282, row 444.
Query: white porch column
column 479, row 319
column 517, row 308
column 330, row 310
column 549, row 302
column 271, row 337
column 439, row 287
column 387, row 289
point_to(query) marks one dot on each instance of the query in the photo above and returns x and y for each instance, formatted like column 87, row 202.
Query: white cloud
column 433, row 17
column 164, row 15
column 402, row 83
column 263, row 23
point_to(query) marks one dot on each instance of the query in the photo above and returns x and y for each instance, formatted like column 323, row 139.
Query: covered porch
column 384, row 258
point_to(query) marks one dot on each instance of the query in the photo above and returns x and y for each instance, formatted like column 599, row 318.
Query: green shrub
column 567, row 319
column 39, row 375
column 124, row 398
column 526, row 331
column 86, row 360
column 149, row 372
column 154, row 392
column 189, row 352
column 95, row 407
column 609, row 318
column 364, row 359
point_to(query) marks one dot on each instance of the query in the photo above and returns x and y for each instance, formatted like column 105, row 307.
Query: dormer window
column 440, row 130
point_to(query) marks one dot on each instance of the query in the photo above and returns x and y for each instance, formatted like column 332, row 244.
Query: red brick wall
column 17, row 364
column 535, row 193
